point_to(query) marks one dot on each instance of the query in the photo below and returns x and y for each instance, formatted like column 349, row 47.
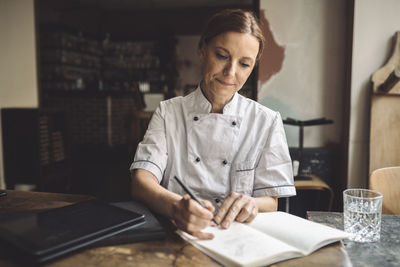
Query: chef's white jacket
column 244, row 149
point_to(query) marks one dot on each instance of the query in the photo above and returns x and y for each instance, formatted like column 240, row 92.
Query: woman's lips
column 225, row 83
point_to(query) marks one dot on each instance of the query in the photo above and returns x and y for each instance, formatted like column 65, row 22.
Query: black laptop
column 46, row 235
column 151, row 230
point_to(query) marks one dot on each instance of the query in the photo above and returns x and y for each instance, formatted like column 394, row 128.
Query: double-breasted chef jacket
column 244, row 149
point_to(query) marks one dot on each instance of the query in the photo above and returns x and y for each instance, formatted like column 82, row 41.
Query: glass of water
column 362, row 214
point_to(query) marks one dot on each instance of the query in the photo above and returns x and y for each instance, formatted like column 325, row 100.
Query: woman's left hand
column 239, row 207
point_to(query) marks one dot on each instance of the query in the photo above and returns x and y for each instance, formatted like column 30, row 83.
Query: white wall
column 18, row 79
column 375, row 22
column 310, row 83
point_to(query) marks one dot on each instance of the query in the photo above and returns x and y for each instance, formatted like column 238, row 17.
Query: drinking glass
column 362, row 214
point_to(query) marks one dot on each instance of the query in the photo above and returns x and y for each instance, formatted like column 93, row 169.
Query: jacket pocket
column 243, row 177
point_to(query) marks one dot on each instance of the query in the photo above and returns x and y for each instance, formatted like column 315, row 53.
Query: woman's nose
column 229, row 69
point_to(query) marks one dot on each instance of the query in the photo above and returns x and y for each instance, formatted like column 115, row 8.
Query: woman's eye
column 245, row 65
column 221, row 56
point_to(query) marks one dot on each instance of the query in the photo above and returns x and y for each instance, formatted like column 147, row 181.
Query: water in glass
column 362, row 214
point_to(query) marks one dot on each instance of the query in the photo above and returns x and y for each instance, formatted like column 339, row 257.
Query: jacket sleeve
column 274, row 174
column 151, row 153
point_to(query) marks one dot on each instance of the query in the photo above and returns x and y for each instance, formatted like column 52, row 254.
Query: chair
column 387, row 181
column 312, row 182
column 315, row 183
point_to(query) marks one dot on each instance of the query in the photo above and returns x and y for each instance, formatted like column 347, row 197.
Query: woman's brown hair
column 233, row 20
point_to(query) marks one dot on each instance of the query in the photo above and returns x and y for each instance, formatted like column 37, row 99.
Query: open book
column 269, row 238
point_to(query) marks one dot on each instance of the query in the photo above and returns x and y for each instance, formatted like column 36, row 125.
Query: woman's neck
column 217, row 102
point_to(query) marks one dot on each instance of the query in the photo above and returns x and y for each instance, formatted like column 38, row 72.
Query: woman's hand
column 239, row 207
column 192, row 218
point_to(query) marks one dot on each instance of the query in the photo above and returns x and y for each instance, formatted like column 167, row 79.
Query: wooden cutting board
column 385, row 116
column 385, row 132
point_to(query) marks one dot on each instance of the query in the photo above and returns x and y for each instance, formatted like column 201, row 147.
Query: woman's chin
column 224, row 89
column 227, row 92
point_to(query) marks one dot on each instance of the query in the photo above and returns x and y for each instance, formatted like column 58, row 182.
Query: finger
column 213, row 224
column 247, row 213
column 207, row 204
column 192, row 225
column 196, row 217
column 188, row 215
column 233, row 211
column 202, row 235
column 244, row 213
column 226, row 205
column 249, row 209
column 253, row 215
column 195, row 208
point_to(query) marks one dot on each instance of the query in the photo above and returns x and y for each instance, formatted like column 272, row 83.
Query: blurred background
column 79, row 81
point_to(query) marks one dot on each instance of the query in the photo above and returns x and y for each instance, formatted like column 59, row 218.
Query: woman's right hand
column 188, row 215
column 191, row 217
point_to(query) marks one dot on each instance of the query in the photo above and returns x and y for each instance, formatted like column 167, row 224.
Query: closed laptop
column 46, row 235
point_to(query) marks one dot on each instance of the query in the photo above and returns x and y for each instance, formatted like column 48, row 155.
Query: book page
column 242, row 245
column 303, row 234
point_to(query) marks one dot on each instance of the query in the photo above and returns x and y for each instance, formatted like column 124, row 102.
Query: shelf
column 70, row 69
column 84, row 67
column 87, row 93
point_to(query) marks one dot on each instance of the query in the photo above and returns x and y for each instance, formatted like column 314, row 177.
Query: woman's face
column 228, row 60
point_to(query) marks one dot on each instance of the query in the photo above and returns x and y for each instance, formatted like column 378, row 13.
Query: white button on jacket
column 242, row 150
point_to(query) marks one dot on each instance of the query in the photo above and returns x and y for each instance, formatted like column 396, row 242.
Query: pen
column 192, row 195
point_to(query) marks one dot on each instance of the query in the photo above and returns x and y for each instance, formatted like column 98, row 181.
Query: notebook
column 45, row 235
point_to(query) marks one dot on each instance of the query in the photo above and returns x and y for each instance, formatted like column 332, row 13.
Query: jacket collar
column 201, row 104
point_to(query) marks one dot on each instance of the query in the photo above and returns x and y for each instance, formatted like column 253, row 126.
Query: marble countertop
column 385, row 252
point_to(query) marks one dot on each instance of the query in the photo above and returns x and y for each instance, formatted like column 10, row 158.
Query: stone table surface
column 385, row 252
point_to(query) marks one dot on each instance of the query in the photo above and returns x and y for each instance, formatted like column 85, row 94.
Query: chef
column 229, row 150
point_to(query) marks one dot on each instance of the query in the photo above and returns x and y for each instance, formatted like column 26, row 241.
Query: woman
column 230, row 150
